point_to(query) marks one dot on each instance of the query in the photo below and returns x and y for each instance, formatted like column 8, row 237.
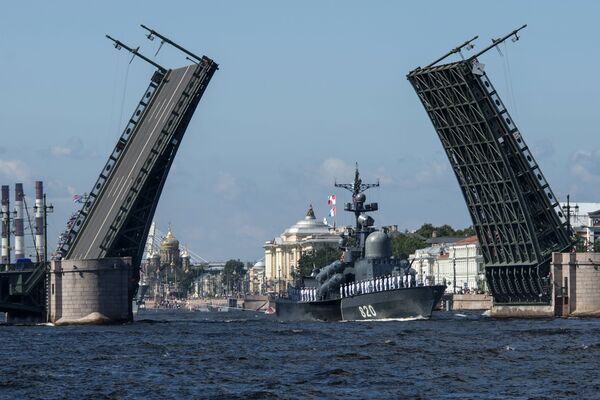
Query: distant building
column 463, row 260
column 166, row 268
column 283, row 252
column 450, row 257
column 585, row 221
column 209, row 283
column 256, row 278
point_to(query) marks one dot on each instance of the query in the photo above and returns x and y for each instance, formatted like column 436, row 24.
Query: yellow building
column 283, row 252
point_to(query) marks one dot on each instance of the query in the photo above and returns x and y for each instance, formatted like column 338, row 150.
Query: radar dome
column 378, row 245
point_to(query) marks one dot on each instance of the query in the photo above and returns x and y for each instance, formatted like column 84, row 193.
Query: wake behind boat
column 367, row 283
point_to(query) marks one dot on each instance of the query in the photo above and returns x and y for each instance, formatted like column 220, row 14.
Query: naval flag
column 332, row 212
column 77, row 198
column 331, row 200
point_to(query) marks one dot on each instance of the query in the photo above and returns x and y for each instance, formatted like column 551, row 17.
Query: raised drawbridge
column 518, row 220
column 115, row 219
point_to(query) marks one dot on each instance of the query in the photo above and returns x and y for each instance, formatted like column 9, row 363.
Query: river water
column 244, row 355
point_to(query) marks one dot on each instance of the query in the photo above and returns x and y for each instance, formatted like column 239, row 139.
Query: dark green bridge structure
column 518, row 220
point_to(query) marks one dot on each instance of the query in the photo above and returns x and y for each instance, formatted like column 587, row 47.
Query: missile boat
column 367, row 282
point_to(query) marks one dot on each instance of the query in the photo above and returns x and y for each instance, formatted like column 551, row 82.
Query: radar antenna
column 356, row 187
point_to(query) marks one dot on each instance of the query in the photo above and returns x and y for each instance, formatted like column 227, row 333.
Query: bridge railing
column 149, row 95
column 194, row 88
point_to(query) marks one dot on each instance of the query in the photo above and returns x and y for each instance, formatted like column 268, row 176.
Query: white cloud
column 73, row 148
column 14, row 170
column 227, row 186
column 332, row 169
column 59, row 151
column 585, row 165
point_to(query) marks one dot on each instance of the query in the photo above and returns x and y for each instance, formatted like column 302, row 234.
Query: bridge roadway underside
column 129, row 165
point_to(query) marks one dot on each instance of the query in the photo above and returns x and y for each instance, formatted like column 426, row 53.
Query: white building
column 283, row 253
column 256, row 278
column 448, row 259
column 462, row 261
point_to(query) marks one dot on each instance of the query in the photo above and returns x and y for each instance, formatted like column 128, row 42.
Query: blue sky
column 304, row 91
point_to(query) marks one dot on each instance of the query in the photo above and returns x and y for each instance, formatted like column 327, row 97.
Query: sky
column 304, row 91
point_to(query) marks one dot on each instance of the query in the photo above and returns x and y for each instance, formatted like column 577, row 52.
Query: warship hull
column 416, row 302
column 325, row 310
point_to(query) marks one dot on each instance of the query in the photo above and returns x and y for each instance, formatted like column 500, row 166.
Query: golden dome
column 169, row 240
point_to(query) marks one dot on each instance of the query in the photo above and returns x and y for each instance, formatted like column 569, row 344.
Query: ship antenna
column 364, row 223
column 356, row 187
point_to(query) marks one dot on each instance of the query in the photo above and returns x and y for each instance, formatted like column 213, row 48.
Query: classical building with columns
column 283, row 252
column 449, row 260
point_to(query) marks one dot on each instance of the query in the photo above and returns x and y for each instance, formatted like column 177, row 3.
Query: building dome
column 378, row 245
column 169, row 240
column 184, row 253
column 308, row 226
column 260, row 264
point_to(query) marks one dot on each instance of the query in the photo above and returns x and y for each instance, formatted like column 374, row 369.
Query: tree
column 316, row 259
column 597, row 247
column 404, row 245
column 426, row 230
column 233, row 274
column 468, row 231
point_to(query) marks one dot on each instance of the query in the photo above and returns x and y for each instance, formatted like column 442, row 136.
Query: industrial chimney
column 5, row 226
column 19, row 232
column 39, row 220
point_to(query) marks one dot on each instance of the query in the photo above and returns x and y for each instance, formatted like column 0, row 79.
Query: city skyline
column 303, row 92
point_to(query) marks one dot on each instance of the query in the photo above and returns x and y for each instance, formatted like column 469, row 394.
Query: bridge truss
column 115, row 219
column 518, row 220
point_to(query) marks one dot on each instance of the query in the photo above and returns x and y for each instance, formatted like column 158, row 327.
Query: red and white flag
column 331, row 200
column 332, row 211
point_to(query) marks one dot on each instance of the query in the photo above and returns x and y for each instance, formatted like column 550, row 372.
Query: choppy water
column 241, row 355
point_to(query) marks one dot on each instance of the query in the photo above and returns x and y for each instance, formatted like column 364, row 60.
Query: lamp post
column 46, row 209
column 576, row 209
column 454, row 271
column 279, row 280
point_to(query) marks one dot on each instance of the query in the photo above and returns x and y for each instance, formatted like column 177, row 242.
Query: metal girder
column 518, row 220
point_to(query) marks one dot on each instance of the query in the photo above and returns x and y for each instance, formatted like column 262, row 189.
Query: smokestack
column 5, row 226
column 39, row 219
column 19, row 232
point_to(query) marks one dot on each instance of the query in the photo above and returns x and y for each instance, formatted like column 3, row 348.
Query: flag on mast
column 331, row 200
column 332, row 212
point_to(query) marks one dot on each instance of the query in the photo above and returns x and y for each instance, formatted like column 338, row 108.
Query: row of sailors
column 367, row 286
column 302, row 294
column 308, row 294
column 380, row 284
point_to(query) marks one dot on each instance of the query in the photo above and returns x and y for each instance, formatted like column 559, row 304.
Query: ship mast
column 358, row 206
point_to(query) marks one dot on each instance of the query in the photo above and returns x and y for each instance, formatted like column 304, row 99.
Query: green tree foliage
column 316, row 259
column 426, row 230
column 233, row 274
column 596, row 247
column 406, row 244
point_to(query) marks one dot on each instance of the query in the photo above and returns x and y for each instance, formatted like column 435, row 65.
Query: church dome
column 184, row 253
column 259, row 265
column 308, row 226
column 169, row 240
